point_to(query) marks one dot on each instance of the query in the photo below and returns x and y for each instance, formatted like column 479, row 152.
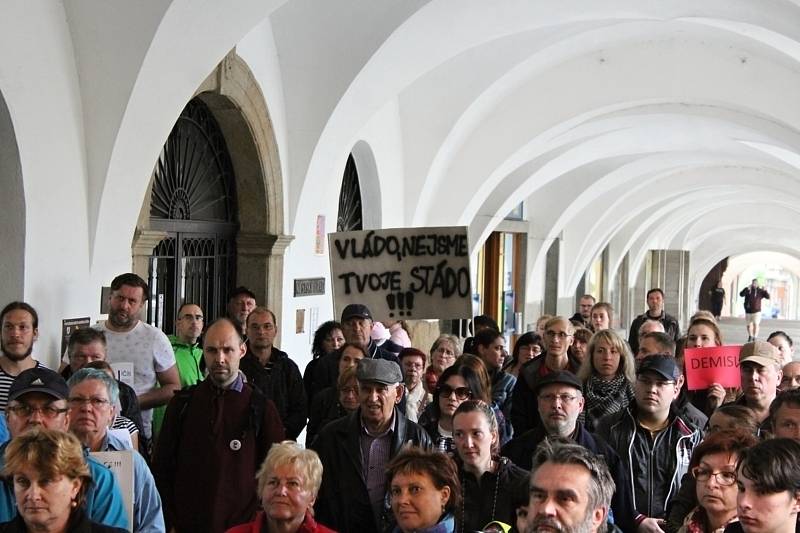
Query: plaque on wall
column 309, row 287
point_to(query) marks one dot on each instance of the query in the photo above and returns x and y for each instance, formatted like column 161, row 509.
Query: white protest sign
column 402, row 273
column 121, row 463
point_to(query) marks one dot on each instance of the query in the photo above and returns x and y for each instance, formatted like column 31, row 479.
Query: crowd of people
column 576, row 429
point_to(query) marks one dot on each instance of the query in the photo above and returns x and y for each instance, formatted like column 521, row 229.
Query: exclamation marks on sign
column 402, row 302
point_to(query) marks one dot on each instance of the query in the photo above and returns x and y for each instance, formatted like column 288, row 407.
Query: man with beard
column 570, row 490
column 20, row 324
column 130, row 340
column 560, row 400
column 214, row 438
column 240, row 303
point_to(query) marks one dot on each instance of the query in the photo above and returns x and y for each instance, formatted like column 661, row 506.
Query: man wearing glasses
column 560, row 403
column 653, row 440
column 558, row 337
column 186, row 345
column 38, row 397
column 272, row 371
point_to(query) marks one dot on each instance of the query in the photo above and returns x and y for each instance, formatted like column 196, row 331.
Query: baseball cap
column 760, row 352
column 662, row 364
column 562, row 377
column 39, row 379
column 379, row 371
column 357, row 311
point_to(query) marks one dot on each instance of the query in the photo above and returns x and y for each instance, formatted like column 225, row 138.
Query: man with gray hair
column 355, row 449
column 93, row 397
column 560, row 403
column 570, row 489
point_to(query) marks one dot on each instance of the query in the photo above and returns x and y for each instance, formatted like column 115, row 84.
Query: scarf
column 697, row 522
column 605, row 398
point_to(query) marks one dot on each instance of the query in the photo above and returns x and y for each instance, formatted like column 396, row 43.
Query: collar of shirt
column 113, row 443
column 237, row 385
column 366, row 431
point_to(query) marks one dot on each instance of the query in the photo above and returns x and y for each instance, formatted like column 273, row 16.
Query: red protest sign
column 717, row 364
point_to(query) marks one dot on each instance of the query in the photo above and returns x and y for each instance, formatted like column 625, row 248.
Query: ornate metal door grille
column 350, row 217
column 193, row 201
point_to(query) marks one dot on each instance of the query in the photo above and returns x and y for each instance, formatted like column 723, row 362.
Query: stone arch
column 234, row 98
column 367, row 167
column 12, row 211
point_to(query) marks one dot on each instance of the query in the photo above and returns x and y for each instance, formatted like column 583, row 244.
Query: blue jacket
column 103, row 498
column 148, row 516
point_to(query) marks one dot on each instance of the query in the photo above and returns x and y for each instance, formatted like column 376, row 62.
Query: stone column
column 669, row 270
column 259, row 267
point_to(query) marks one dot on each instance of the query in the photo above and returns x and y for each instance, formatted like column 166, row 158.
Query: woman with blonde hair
column 50, row 479
column 607, row 373
column 288, row 483
column 444, row 352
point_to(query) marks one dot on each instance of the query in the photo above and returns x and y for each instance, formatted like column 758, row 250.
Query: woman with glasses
column 333, row 403
column 444, row 352
column 490, row 484
column 713, row 466
column 529, row 346
column 607, row 375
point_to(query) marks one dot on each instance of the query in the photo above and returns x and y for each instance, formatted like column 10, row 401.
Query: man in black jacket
column 560, row 402
column 354, row 451
column 655, row 311
column 272, row 371
column 357, row 328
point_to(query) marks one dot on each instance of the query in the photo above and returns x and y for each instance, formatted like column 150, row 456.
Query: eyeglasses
column 563, row 335
column 564, row 398
column 725, row 479
column 462, row 393
column 77, row 401
column 23, row 410
column 349, row 390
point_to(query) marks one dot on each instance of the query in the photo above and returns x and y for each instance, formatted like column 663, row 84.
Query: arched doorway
column 193, row 202
column 350, row 216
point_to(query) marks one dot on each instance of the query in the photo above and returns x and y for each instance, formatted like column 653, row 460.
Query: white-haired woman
column 288, row 482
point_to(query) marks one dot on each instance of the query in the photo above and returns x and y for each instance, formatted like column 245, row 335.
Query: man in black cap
column 355, row 449
column 38, row 397
column 356, row 327
column 653, row 439
column 560, row 401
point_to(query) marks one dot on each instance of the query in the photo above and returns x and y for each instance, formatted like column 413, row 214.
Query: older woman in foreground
column 50, row 479
column 288, row 483
column 424, row 491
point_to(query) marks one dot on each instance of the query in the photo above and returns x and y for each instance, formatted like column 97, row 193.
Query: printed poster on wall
column 402, row 273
